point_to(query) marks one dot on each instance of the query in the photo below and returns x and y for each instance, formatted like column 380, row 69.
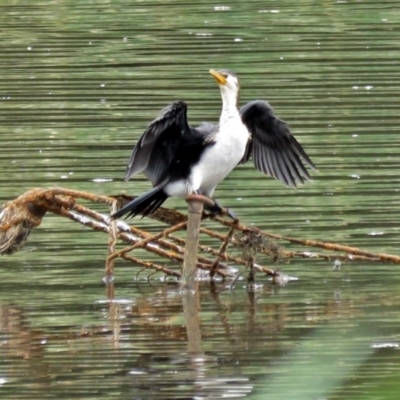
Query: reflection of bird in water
column 180, row 160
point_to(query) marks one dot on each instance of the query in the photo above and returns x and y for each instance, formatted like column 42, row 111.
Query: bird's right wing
column 155, row 149
column 275, row 150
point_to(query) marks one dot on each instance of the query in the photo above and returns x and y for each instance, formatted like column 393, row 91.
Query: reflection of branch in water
column 150, row 332
column 18, row 217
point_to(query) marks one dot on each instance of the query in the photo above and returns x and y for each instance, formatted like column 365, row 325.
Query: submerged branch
column 19, row 216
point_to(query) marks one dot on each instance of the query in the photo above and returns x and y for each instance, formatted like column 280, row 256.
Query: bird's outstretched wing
column 275, row 150
column 156, row 148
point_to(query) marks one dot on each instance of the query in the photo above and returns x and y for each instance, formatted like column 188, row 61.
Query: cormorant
column 180, row 160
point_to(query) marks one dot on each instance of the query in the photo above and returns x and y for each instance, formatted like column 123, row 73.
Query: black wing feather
column 169, row 146
column 155, row 149
column 275, row 150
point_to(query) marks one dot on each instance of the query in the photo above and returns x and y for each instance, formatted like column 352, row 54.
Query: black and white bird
column 180, row 160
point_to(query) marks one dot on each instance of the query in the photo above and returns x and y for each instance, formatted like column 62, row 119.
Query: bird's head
column 228, row 84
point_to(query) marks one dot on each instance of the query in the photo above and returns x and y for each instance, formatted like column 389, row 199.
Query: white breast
column 221, row 158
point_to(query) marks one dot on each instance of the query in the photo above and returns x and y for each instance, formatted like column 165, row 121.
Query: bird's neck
column 229, row 108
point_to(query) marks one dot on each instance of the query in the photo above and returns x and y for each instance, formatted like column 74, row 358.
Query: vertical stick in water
column 192, row 239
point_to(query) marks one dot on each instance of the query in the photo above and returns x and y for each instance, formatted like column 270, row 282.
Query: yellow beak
column 218, row 77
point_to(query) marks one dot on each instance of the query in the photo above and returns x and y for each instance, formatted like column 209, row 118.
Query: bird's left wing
column 275, row 150
column 154, row 150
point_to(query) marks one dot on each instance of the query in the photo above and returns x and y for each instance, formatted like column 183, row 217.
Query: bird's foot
column 211, row 205
column 218, row 209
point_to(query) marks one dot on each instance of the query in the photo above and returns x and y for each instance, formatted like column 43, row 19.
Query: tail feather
column 144, row 204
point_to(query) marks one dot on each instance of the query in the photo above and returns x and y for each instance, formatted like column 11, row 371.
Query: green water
column 79, row 82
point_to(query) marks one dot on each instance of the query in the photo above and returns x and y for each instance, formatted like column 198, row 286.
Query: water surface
column 79, row 82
